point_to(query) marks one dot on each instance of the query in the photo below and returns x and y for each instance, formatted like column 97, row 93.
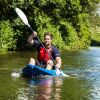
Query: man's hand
column 34, row 33
column 30, row 39
column 58, row 66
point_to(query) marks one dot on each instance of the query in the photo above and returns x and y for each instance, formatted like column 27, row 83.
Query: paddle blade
column 22, row 16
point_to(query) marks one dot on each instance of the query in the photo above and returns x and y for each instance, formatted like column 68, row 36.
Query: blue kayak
column 31, row 70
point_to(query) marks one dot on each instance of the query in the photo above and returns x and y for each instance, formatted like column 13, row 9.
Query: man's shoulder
column 54, row 48
column 55, row 51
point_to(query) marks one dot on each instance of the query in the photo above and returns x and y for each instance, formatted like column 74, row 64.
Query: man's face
column 47, row 40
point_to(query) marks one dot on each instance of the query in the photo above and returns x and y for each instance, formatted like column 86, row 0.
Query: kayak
column 31, row 70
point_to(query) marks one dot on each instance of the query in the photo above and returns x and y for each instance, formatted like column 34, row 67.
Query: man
column 47, row 53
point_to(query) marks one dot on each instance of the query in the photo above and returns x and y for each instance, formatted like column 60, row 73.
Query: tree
column 68, row 20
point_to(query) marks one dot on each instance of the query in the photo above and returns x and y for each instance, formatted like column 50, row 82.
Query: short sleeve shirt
column 38, row 45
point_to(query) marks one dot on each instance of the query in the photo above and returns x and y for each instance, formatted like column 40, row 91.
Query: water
column 83, row 67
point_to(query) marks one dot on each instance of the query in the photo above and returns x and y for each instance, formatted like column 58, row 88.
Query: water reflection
column 83, row 58
column 48, row 88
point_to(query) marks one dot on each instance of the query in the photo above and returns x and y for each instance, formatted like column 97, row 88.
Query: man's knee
column 50, row 65
column 32, row 61
column 50, row 62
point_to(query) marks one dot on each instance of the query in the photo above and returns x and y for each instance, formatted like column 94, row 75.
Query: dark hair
column 49, row 34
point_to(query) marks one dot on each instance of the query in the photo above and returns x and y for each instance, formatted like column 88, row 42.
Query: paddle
column 25, row 21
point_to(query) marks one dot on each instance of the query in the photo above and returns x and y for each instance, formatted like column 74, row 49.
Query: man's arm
column 30, row 39
column 58, row 62
column 57, row 57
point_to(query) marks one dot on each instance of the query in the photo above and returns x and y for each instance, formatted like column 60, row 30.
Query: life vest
column 43, row 54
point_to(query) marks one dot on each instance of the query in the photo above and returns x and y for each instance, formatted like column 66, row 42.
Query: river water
column 83, row 67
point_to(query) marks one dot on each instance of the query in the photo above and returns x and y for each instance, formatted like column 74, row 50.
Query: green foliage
column 96, row 37
column 44, row 24
column 67, row 20
column 6, row 36
column 94, row 19
column 84, row 33
column 69, row 35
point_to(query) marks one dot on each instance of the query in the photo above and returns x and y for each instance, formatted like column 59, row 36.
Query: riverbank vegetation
column 68, row 21
column 95, row 28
